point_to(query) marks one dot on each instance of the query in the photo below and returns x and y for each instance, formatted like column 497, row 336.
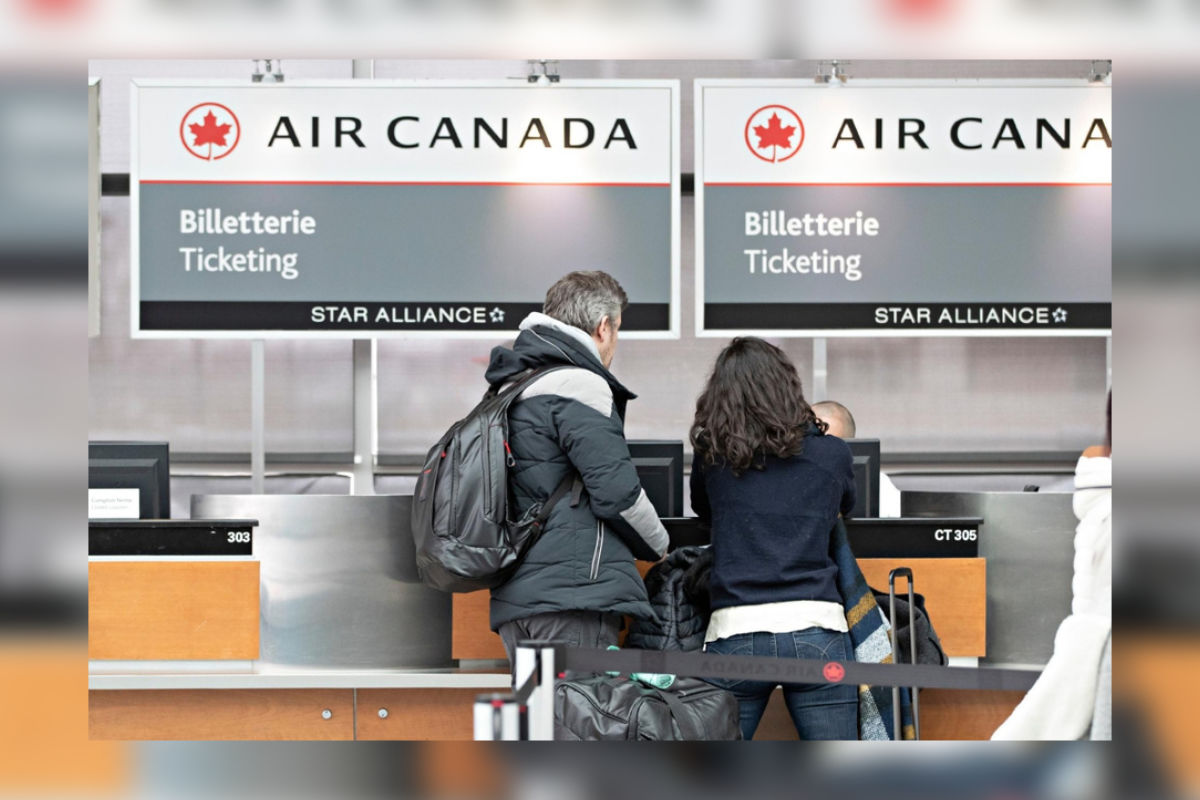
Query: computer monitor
column 866, row 476
column 129, row 480
column 660, row 468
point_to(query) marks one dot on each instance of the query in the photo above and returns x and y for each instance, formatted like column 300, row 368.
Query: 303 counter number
column 239, row 537
column 955, row 535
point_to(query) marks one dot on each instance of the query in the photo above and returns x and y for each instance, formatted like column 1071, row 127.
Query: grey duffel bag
column 605, row 708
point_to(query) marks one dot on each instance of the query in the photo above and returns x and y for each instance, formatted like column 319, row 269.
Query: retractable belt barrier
column 790, row 670
column 529, row 713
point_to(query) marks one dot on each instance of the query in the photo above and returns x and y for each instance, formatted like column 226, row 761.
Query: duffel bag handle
column 690, row 732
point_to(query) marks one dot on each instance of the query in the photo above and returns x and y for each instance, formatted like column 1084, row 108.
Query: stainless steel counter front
column 1028, row 539
column 339, row 583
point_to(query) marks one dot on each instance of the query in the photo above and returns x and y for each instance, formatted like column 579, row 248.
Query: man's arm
column 594, row 442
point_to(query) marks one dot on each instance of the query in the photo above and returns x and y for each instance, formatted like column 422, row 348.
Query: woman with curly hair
column 770, row 484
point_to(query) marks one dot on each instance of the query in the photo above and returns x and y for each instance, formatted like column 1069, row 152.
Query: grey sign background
column 415, row 243
column 935, row 244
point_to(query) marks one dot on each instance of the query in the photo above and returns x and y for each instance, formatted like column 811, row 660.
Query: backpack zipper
column 488, row 511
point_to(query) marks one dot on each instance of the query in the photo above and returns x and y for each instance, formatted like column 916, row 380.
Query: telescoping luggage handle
column 907, row 574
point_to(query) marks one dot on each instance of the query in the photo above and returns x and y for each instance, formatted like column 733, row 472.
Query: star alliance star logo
column 1060, row 315
column 497, row 315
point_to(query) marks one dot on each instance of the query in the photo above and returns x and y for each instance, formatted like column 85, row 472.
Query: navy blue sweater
column 771, row 527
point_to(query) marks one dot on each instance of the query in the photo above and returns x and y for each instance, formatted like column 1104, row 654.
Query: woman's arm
column 699, row 492
column 846, row 471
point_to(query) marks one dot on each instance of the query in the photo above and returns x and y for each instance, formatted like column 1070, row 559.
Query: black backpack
column 465, row 539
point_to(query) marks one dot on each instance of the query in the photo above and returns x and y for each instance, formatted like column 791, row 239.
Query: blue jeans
column 819, row 711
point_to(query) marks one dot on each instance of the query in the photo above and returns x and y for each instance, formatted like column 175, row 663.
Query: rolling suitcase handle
column 907, row 574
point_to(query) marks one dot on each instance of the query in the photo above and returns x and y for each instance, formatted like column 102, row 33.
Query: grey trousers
column 573, row 628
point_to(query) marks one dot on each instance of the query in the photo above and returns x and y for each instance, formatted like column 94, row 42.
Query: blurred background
column 47, row 408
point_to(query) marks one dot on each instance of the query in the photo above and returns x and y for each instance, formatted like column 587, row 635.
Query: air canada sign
column 970, row 133
column 383, row 208
column 409, row 132
column 936, row 208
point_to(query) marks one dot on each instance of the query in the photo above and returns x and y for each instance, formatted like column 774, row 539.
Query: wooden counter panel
column 173, row 610
column 426, row 714
column 960, row 714
column 221, row 714
column 955, row 591
column 470, row 635
column 946, row 714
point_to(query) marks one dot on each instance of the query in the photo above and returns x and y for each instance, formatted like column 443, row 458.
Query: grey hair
column 584, row 299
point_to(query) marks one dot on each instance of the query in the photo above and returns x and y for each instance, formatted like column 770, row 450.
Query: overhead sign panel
column 383, row 208
column 938, row 208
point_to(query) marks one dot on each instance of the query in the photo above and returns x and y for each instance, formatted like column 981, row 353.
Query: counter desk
column 326, row 632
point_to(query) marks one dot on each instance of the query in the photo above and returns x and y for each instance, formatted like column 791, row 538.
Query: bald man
column 837, row 417
column 841, row 424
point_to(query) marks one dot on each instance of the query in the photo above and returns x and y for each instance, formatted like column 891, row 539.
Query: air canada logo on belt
column 774, row 133
column 210, row 131
column 834, row 671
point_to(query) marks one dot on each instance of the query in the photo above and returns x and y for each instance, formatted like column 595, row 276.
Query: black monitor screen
column 866, row 476
column 660, row 468
column 118, row 469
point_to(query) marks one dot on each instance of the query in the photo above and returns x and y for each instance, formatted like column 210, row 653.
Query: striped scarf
column 869, row 631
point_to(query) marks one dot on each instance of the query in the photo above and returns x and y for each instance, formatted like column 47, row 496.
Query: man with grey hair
column 579, row 577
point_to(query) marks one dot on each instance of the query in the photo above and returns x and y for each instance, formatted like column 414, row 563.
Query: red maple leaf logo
column 209, row 133
column 774, row 133
column 202, row 126
column 775, row 139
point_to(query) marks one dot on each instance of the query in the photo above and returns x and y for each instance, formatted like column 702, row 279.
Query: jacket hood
column 544, row 342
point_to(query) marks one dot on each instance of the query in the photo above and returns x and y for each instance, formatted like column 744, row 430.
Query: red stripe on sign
column 901, row 183
column 396, row 183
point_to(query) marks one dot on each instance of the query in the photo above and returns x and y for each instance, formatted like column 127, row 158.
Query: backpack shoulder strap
column 521, row 381
column 559, row 493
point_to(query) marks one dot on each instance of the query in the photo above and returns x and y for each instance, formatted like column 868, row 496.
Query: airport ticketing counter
column 303, row 617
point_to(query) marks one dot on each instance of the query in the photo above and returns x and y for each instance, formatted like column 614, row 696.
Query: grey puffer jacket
column 573, row 420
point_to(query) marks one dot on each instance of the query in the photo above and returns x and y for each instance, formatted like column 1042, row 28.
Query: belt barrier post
column 535, row 656
column 497, row 718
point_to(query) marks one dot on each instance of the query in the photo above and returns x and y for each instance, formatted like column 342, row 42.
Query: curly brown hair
column 752, row 406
